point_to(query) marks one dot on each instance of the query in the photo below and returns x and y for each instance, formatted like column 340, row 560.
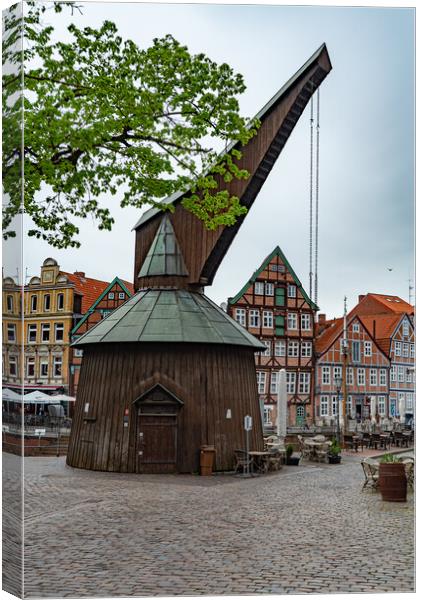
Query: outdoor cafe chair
column 371, row 474
column 409, row 462
column 242, row 461
column 321, row 452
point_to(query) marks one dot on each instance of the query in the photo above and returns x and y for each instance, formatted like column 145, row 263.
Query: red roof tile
column 327, row 337
column 382, row 303
column 90, row 288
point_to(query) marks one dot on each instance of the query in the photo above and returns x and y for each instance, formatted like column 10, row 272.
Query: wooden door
column 157, row 443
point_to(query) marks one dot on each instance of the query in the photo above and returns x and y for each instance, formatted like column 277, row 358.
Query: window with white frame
column 274, row 382
column 43, row 367
column 368, row 349
column 291, row 382
column 269, row 289
column 306, row 348
column 409, row 401
column 11, row 332
column 304, row 383
column 405, row 350
column 398, row 349
column 334, row 405
column 293, row 348
column 280, row 348
column 401, row 396
column 57, row 366
column 47, row 302
column 267, row 319
column 360, row 376
column 121, row 295
column 259, row 288
column 292, row 321
column 59, row 332
column 381, row 405
column 382, row 378
column 60, row 301
column 78, row 352
column 324, row 406
column 34, row 303
column 32, row 333
column 349, row 376
column 254, row 318
column 408, row 375
column 267, row 415
column 405, row 328
column 373, row 377
column 13, row 366
column 356, row 352
column 401, row 376
column 349, row 406
column 412, row 350
column 306, row 322
column 111, row 296
column 393, row 373
column 337, row 373
column 326, row 375
column 240, row 316
column 30, row 366
column 268, row 345
column 292, row 291
column 261, row 382
column 355, row 328
column 45, row 332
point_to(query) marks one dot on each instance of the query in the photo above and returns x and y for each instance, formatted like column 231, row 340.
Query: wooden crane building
column 169, row 371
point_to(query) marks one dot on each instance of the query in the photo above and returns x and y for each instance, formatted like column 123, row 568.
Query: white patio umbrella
column 373, row 408
column 281, row 421
column 10, row 395
column 402, row 407
column 37, row 397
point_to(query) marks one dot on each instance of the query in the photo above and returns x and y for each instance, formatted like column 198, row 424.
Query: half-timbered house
column 113, row 296
column 360, row 372
column 275, row 308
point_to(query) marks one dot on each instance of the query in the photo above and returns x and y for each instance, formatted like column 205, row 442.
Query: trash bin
column 207, row 459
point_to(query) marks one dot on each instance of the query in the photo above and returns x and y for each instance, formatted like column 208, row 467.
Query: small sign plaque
column 248, row 423
column 86, row 407
column 39, row 431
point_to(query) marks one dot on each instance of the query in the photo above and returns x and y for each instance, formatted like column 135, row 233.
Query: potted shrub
column 392, row 479
column 334, row 454
column 291, row 460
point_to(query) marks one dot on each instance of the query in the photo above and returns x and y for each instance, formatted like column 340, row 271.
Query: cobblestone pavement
column 305, row 529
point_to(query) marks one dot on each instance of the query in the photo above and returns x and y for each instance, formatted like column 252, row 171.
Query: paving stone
column 307, row 529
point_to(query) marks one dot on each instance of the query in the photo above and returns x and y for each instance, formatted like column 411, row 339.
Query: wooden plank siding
column 209, row 380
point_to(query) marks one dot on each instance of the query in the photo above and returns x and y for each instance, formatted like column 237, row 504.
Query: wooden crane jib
column 202, row 250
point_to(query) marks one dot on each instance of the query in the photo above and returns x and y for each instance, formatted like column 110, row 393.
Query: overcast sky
column 366, row 144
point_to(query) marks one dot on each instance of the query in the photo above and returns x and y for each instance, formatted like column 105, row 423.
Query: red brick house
column 98, row 300
column 365, row 364
column 390, row 320
column 275, row 308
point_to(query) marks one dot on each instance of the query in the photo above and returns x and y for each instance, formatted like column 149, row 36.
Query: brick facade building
column 275, row 308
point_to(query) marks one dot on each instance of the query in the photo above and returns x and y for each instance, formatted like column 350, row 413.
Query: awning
column 10, row 395
column 39, row 398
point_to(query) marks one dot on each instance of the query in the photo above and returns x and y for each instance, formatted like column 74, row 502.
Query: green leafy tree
column 102, row 114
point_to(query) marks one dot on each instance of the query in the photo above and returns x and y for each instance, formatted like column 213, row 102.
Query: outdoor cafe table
column 260, row 460
column 313, row 447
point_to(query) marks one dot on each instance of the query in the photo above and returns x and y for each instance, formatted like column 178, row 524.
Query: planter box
column 392, row 482
column 335, row 460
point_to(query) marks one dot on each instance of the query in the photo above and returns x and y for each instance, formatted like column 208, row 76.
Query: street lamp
column 338, row 384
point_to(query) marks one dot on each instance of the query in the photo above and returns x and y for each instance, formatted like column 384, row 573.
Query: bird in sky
column 390, row 268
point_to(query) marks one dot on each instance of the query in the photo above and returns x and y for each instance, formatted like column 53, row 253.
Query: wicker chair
column 242, row 461
column 371, row 474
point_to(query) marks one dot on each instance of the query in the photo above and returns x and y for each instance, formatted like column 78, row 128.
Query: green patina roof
column 263, row 266
column 163, row 315
column 164, row 256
